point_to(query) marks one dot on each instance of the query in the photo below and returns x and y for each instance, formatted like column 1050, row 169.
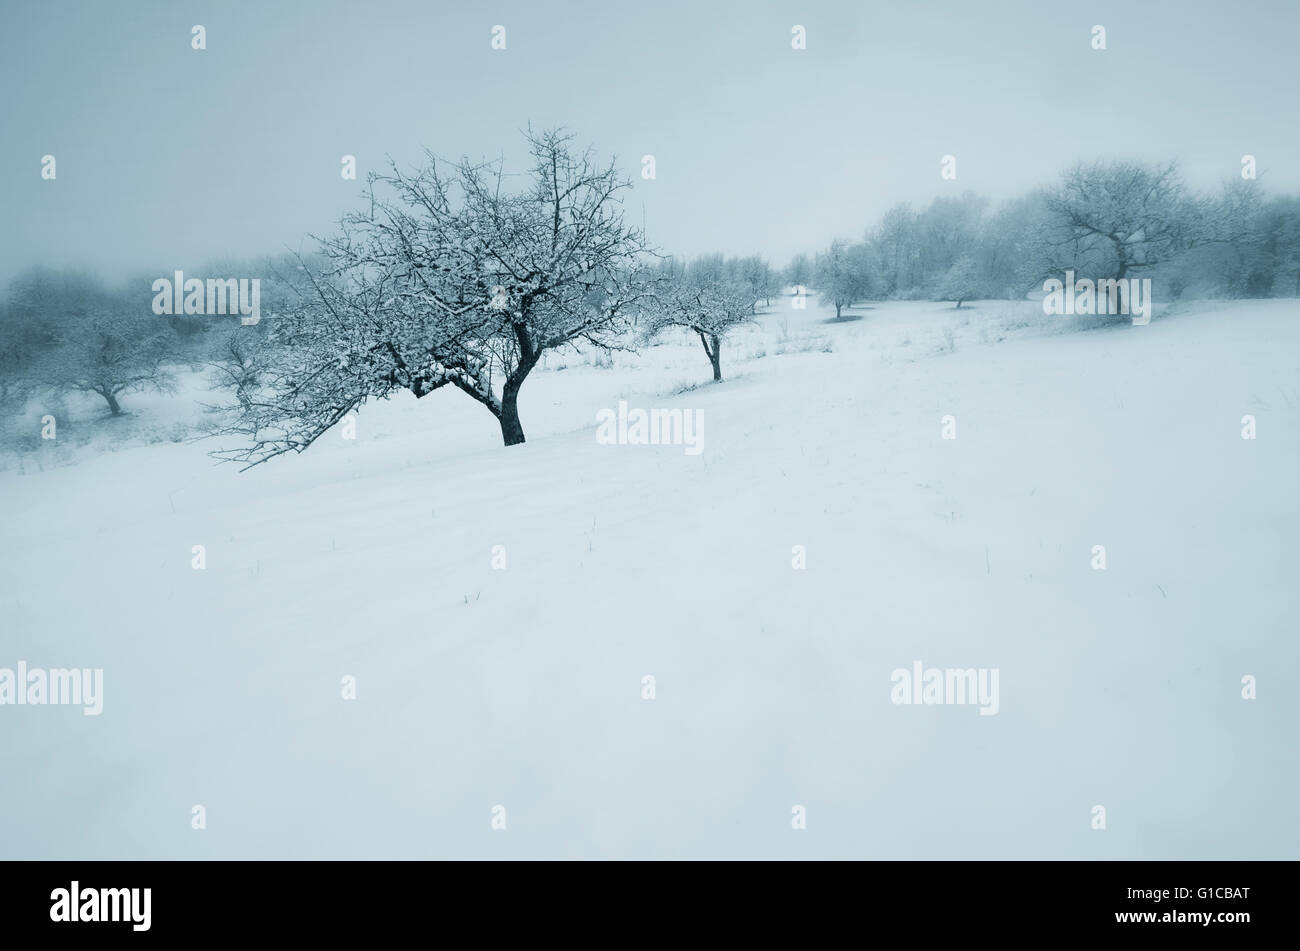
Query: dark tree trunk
column 959, row 305
column 113, row 404
column 512, row 431
column 714, row 353
column 837, row 311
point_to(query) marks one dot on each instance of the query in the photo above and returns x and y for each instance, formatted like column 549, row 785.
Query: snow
column 522, row 687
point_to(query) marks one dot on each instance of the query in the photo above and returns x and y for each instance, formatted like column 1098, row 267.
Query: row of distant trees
column 1102, row 220
column 67, row 332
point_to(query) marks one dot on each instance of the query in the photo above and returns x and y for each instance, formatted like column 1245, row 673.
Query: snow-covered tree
column 799, row 272
column 1007, row 250
column 704, row 298
column 79, row 336
column 1113, row 218
column 756, row 277
column 947, row 231
column 842, row 275
column 110, row 350
column 1280, row 223
column 1248, row 246
column 449, row 276
column 239, row 363
column 962, row 282
column 895, row 245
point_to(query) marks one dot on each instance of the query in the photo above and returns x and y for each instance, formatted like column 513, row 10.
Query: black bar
column 931, row 900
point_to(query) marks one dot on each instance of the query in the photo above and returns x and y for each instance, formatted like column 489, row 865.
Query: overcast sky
column 168, row 157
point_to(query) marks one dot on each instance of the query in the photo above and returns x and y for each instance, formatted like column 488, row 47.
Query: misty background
column 170, row 157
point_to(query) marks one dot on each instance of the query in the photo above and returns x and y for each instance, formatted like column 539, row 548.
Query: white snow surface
column 522, row 687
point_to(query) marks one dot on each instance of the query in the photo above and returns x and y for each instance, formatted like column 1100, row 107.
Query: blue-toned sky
column 168, row 157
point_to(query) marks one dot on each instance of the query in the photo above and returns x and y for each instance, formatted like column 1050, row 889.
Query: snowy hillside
column 477, row 687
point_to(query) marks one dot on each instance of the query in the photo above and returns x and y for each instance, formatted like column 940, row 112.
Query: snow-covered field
column 522, row 687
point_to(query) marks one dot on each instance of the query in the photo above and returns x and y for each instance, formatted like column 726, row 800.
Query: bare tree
column 1280, row 225
column 756, row 277
column 110, row 349
column 449, row 277
column 961, row 283
column 842, row 274
column 240, row 364
column 947, row 231
column 1112, row 218
column 704, row 298
column 895, row 243
column 799, row 272
column 67, row 332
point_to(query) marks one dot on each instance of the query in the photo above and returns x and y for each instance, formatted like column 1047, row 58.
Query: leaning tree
column 450, row 276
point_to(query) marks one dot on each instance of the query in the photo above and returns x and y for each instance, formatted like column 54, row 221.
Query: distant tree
column 110, row 349
column 1113, row 218
column 36, row 301
column 1281, row 221
column 1233, row 255
column 241, row 364
column 1260, row 239
column 895, row 244
column 841, row 275
column 946, row 231
column 770, row 285
column 1009, row 248
column 799, row 272
column 962, row 282
column 756, row 277
column 702, row 297
column 66, row 332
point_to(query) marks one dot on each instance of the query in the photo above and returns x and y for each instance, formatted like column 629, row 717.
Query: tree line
column 453, row 274
column 1105, row 220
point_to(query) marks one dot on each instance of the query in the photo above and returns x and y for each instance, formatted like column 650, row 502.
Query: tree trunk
column 714, row 353
column 113, row 404
column 837, row 311
column 959, row 305
column 512, row 431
